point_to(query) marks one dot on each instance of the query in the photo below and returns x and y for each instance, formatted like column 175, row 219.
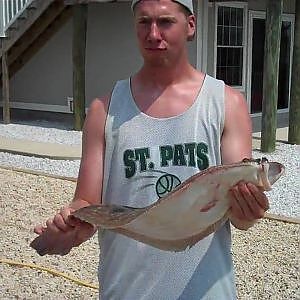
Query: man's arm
column 248, row 203
column 89, row 183
column 61, row 232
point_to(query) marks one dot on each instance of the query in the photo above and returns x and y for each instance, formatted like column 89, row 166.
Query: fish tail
column 108, row 216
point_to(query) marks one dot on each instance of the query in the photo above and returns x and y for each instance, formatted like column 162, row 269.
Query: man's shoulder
column 100, row 104
column 104, row 100
column 233, row 96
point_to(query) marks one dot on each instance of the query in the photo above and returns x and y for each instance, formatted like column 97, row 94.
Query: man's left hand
column 248, row 204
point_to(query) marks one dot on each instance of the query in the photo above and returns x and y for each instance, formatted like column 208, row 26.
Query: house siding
column 288, row 5
column 47, row 77
column 111, row 54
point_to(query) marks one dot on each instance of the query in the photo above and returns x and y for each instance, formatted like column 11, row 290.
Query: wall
column 288, row 5
column 112, row 54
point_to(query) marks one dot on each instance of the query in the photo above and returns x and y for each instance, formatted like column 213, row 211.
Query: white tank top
column 145, row 158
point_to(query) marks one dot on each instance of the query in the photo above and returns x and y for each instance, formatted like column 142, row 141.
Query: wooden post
column 294, row 112
column 5, row 89
column 79, row 48
column 271, row 71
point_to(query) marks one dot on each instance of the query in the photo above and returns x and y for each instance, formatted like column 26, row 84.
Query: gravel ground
column 285, row 196
column 27, row 200
column 266, row 257
column 42, row 131
column 68, row 168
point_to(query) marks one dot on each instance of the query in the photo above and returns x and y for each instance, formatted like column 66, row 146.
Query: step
column 40, row 149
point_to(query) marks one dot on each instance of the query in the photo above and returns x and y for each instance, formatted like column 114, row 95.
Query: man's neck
column 163, row 76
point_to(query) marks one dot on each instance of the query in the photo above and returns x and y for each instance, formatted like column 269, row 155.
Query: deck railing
column 10, row 10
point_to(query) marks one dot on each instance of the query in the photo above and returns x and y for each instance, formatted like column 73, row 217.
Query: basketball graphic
column 166, row 184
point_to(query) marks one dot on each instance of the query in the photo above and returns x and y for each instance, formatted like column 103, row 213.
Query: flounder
column 192, row 211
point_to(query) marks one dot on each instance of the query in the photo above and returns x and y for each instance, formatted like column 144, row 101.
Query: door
column 256, row 61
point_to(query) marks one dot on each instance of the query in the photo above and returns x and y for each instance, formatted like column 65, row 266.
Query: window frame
column 254, row 14
column 244, row 6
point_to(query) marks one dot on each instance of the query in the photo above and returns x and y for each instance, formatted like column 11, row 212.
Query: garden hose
column 51, row 271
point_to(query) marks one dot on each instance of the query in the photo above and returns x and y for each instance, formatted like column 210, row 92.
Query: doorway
column 257, row 23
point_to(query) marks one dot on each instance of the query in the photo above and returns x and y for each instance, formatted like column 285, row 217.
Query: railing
column 10, row 10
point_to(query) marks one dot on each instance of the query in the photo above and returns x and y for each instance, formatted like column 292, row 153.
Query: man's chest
column 167, row 103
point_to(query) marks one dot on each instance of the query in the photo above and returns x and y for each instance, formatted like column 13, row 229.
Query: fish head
column 274, row 171
column 268, row 172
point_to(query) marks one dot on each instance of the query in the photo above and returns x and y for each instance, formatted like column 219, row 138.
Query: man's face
column 163, row 29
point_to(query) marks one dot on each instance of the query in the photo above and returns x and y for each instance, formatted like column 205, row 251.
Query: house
column 229, row 45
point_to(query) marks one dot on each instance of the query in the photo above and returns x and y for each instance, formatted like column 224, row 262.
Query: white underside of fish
column 195, row 209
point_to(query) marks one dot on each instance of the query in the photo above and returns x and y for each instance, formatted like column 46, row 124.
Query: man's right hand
column 61, row 234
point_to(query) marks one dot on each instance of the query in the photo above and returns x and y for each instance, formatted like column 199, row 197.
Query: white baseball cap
column 186, row 3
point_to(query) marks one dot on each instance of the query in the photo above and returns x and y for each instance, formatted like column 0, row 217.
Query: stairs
column 31, row 28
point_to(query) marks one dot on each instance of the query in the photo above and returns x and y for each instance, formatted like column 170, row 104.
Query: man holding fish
column 156, row 129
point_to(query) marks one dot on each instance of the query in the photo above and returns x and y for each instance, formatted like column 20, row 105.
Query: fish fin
column 108, row 216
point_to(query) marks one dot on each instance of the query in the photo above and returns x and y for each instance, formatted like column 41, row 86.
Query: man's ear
column 191, row 27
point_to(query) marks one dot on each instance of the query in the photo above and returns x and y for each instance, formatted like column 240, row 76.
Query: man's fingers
column 39, row 229
column 51, row 226
column 260, row 197
column 255, row 210
column 249, row 202
column 60, row 223
column 235, row 207
column 242, row 203
column 66, row 213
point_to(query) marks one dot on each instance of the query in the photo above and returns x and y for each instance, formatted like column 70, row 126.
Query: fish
column 189, row 213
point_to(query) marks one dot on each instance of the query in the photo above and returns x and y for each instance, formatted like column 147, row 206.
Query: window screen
column 230, row 45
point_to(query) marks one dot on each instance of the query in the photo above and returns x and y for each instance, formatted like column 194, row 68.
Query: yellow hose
column 53, row 272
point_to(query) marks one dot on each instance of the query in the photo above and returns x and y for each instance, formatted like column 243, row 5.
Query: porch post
column 294, row 111
column 79, row 49
column 5, row 87
column 271, row 73
column 202, row 35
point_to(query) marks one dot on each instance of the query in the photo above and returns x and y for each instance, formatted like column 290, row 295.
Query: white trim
column 262, row 15
column 279, row 111
column 202, row 35
column 39, row 107
column 243, row 5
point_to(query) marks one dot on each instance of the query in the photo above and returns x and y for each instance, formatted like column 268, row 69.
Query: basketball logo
column 165, row 184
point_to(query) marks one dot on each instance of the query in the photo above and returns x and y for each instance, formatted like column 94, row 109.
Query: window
column 230, row 45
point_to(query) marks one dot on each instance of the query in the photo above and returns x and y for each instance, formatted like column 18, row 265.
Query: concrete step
column 39, row 149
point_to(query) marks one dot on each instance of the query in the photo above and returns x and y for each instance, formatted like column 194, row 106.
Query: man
column 167, row 121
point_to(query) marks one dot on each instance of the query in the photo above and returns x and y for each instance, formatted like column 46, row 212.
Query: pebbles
column 27, row 200
column 266, row 259
column 42, row 131
column 67, row 168
column 266, row 256
column 285, row 196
